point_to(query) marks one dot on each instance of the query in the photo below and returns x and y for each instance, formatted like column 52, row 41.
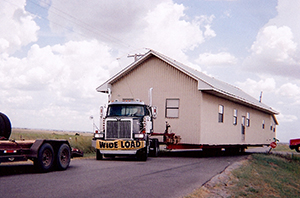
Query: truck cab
column 126, row 130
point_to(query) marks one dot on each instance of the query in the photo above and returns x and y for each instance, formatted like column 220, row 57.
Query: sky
column 54, row 54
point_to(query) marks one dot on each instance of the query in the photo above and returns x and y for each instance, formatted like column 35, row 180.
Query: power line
column 79, row 23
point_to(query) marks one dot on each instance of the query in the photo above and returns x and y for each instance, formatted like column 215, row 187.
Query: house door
column 243, row 128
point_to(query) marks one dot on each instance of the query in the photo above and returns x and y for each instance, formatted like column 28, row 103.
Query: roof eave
column 234, row 98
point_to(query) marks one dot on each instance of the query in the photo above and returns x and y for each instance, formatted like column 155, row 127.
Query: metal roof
column 206, row 83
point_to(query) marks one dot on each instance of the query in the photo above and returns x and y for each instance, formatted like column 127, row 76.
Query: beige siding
column 213, row 132
column 167, row 82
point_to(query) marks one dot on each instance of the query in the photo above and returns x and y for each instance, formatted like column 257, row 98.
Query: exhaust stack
column 150, row 96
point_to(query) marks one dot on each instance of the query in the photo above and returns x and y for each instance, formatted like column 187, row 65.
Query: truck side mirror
column 154, row 112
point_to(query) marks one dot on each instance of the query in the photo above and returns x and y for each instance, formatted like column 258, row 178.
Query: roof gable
column 205, row 83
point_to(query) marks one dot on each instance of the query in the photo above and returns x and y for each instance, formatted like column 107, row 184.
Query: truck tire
column 63, row 157
column 99, row 156
column 142, row 154
column 45, row 158
column 154, row 148
column 297, row 148
column 5, row 127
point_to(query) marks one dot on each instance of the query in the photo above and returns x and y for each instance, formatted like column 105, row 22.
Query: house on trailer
column 200, row 109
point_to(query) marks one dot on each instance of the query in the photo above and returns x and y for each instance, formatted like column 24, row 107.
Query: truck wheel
column 297, row 148
column 5, row 126
column 154, row 148
column 63, row 157
column 99, row 156
column 142, row 155
column 45, row 158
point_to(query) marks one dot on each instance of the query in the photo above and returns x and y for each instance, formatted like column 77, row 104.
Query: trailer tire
column 297, row 148
column 5, row 126
column 63, row 157
column 99, row 156
column 45, row 159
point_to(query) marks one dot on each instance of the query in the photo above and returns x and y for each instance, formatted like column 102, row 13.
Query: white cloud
column 117, row 22
column 17, row 26
column 286, row 118
column 169, row 33
column 159, row 25
column 289, row 90
column 254, row 87
column 276, row 49
column 219, row 59
column 277, row 43
column 55, row 82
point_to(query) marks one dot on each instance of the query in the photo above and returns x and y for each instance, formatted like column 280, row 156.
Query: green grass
column 83, row 141
column 284, row 147
column 268, row 176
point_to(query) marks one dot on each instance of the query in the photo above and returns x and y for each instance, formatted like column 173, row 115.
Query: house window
column 221, row 113
column 263, row 124
column 271, row 127
column 172, row 108
column 234, row 116
column 248, row 119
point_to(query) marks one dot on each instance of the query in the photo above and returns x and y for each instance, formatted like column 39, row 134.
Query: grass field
column 268, row 176
column 284, row 147
column 80, row 140
column 262, row 175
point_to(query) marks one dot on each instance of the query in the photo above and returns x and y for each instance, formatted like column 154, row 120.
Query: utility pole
column 135, row 56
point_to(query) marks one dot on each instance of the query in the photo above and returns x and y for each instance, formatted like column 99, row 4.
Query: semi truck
column 127, row 128
column 46, row 154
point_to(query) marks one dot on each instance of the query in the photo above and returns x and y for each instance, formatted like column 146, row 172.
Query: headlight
column 139, row 135
column 99, row 135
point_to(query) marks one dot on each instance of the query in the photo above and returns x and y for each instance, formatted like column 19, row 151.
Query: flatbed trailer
column 46, row 154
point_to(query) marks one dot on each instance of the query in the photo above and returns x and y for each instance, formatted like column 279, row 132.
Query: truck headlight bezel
column 99, row 135
column 139, row 135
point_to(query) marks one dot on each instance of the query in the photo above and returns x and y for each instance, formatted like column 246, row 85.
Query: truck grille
column 118, row 129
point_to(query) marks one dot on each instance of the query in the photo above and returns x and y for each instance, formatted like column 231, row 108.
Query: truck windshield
column 126, row 110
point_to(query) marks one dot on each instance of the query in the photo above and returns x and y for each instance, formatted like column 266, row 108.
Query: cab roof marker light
column 10, row 151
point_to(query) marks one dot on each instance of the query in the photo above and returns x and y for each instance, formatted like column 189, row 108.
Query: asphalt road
column 172, row 175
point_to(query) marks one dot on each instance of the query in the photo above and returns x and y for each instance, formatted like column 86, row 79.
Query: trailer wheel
column 99, row 156
column 45, row 158
column 63, row 157
column 297, row 148
column 5, row 126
